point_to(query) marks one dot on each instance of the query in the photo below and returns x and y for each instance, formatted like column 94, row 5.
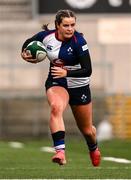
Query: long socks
column 58, row 140
column 91, row 146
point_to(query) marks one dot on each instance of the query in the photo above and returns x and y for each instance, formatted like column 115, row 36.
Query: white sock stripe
column 62, row 146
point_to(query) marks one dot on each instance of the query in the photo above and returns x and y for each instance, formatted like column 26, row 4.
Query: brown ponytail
column 45, row 27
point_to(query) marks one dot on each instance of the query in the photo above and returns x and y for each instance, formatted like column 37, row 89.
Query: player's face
column 66, row 28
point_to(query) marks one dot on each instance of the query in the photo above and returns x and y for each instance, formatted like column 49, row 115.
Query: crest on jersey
column 70, row 51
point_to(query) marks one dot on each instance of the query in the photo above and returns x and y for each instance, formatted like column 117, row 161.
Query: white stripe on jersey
column 77, row 66
column 75, row 82
column 54, row 44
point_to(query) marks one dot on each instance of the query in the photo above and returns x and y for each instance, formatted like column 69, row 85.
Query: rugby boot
column 95, row 157
column 59, row 157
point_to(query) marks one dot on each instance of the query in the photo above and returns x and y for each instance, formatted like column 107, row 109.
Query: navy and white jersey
column 65, row 52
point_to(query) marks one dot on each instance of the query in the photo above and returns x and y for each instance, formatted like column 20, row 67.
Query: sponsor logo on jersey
column 85, row 47
column 49, row 47
column 58, row 62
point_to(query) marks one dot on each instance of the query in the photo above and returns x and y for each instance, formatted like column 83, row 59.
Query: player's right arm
column 27, row 57
column 24, row 53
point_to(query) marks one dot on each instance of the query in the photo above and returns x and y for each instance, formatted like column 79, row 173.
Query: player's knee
column 94, row 129
column 88, row 133
column 56, row 109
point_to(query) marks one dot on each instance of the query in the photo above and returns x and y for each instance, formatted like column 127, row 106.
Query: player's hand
column 28, row 57
column 58, row 72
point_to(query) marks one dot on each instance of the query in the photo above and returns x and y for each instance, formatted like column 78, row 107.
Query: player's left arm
column 83, row 57
column 85, row 70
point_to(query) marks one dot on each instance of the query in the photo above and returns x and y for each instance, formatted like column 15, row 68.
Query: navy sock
column 91, row 146
column 58, row 140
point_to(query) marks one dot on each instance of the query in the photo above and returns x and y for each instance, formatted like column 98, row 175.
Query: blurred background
column 106, row 25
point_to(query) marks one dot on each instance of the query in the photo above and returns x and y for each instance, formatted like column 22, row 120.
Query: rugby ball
column 37, row 50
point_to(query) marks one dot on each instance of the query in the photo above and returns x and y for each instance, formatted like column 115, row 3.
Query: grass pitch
column 31, row 163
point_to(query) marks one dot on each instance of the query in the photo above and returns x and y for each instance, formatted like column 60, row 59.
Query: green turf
column 30, row 162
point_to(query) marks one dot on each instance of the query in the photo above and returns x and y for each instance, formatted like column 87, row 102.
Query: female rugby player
column 68, row 82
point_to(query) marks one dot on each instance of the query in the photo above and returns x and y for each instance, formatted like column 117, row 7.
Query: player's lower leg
column 94, row 151
column 59, row 145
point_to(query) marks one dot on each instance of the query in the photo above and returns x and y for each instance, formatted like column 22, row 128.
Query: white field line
column 47, row 149
column 118, row 160
column 15, row 144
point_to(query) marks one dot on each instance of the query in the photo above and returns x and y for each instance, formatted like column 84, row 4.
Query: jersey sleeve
column 86, row 68
column 81, row 45
column 37, row 37
column 84, row 59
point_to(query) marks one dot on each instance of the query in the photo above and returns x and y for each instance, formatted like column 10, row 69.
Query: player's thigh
column 83, row 115
column 57, row 96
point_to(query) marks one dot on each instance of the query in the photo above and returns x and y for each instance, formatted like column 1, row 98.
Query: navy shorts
column 77, row 96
